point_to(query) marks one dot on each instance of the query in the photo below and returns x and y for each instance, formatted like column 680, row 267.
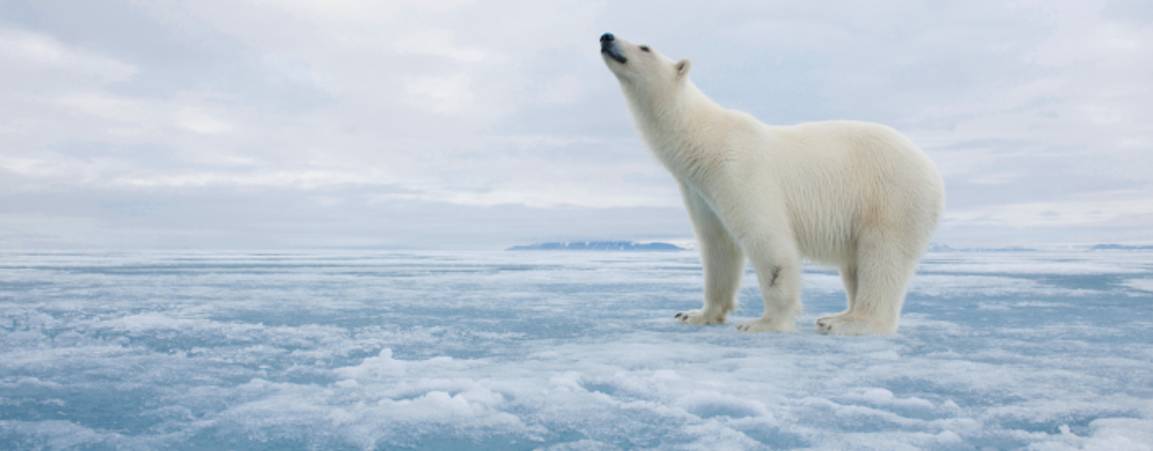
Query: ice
column 556, row 350
column 1140, row 284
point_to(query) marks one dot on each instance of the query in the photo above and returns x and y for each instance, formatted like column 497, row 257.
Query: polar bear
column 856, row 195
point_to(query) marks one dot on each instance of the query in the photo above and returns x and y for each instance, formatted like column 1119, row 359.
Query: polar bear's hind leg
column 849, row 279
column 876, row 297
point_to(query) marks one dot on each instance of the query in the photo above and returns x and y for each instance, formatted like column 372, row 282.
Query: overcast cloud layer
column 479, row 124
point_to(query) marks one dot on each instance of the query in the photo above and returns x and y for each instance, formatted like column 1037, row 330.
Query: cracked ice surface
column 521, row 350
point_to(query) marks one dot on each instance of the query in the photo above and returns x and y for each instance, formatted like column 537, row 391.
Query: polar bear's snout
column 609, row 47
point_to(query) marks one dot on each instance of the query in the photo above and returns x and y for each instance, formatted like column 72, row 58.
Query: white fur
column 856, row 195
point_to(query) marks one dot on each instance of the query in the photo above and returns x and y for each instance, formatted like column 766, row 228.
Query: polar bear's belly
column 823, row 236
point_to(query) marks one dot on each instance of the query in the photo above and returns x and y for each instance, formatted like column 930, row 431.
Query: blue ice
column 560, row 350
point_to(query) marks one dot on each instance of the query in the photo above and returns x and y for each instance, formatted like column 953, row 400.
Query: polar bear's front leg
column 722, row 260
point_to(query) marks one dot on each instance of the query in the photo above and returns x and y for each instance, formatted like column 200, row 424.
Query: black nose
column 607, row 37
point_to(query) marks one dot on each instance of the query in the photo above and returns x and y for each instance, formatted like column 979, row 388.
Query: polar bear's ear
column 683, row 67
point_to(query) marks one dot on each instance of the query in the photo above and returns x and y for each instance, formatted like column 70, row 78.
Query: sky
column 468, row 124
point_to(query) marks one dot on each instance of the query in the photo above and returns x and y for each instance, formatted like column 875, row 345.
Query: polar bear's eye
column 644, row 48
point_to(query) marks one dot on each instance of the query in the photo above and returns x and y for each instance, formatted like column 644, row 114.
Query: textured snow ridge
column 502, row 350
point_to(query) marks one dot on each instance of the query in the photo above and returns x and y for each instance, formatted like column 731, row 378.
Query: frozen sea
column 560, row 350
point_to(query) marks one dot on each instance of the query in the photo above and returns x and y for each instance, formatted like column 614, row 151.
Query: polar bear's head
column 642, row 71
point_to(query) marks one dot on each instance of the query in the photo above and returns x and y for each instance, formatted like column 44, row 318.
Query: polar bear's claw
column 843, row 324
column 699, row 317
column 824, row 325
column 766, row 325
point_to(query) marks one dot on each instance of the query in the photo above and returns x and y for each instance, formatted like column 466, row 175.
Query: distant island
column 628, row 246
column 940, row 247
column 1121, row 247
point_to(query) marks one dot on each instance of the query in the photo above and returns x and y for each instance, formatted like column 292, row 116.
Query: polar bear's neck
column 676, row 126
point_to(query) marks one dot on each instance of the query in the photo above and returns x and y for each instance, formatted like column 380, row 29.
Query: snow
column 553, row 350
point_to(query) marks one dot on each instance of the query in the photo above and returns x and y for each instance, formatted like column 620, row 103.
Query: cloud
column 30, row 54
column 460, row 106
column 438, row 43
column 442, row 94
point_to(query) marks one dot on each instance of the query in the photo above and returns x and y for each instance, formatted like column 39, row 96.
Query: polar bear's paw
column 700, row 317
column 844, row 324
column 766, row 325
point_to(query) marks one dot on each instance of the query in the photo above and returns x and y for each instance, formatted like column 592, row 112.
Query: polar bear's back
column 845, row 179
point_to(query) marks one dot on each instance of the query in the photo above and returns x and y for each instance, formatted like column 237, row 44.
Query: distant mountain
column 628, row 246
column 1002, row 249
column 940, row 247
column 1121, row 247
